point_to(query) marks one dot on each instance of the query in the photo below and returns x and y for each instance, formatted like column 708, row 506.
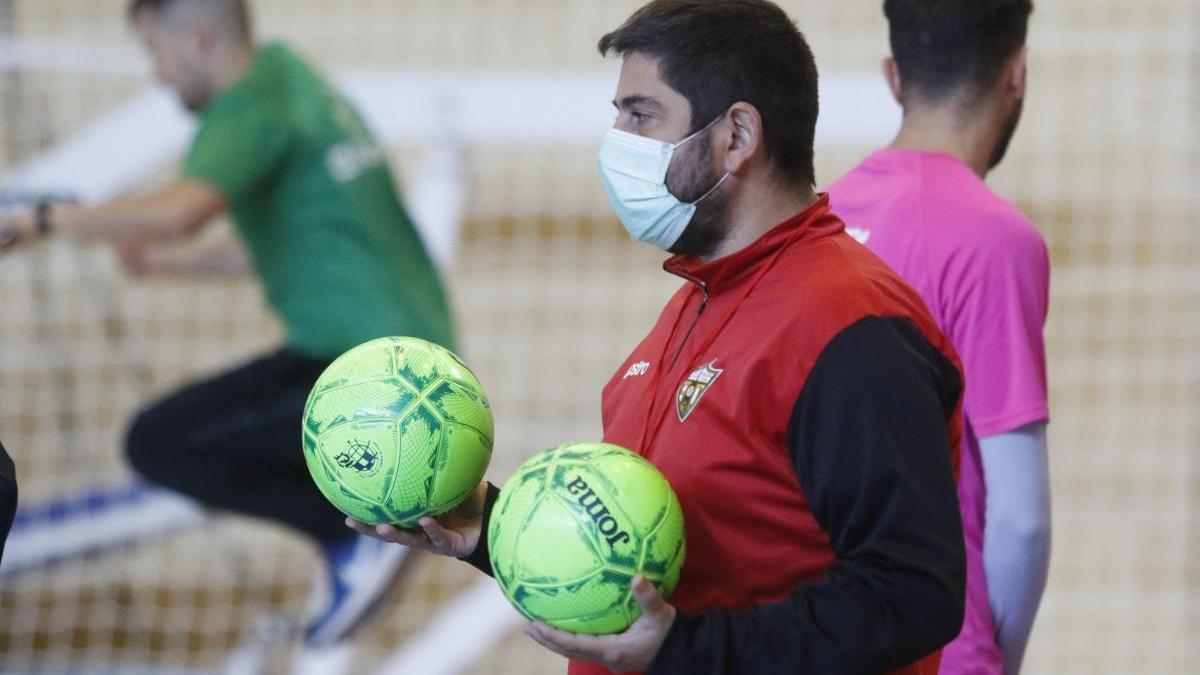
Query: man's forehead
column 640, row 84
column 640, row 65
column 637, row 101
column 639, row 76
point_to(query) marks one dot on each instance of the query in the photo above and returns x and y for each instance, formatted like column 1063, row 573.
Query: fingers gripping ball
column 572, row 527
column 396, row 429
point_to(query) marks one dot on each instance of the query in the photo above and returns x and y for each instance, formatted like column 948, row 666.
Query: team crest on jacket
column 688, row 396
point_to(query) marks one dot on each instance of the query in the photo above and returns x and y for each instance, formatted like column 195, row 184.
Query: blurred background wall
column 550, row 295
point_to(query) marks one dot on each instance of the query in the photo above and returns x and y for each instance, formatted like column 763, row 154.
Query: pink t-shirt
column 984, row 272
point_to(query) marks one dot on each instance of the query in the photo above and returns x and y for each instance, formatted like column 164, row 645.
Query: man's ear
column 891, row 73
column 744, row 131
column 1015, row 74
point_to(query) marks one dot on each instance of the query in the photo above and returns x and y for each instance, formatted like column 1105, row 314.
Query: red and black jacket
column 805, row 407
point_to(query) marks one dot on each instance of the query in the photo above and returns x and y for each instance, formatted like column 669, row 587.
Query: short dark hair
column 719, row 52
column 944, row 48
column 233, row 14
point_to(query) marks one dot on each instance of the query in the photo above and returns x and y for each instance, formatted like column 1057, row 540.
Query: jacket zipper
column 695, row 320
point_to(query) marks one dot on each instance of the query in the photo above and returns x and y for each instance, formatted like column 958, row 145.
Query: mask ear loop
column 711, row 190
column 723, row 178
column 702, row 130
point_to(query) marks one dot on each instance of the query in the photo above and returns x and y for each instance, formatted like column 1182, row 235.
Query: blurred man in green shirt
column 315, row 203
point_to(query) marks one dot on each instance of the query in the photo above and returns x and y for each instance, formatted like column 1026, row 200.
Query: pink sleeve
column 999, row 292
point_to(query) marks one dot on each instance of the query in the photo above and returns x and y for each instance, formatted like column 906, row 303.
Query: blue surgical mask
column 634, row 171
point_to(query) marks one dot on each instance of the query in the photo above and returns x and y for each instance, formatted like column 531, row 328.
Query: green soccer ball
column 397, row 429
column 572, row 527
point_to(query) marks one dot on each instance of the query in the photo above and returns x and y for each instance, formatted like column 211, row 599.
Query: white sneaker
column 360, row 573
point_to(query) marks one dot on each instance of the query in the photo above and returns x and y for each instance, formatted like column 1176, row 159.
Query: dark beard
column 689, row 180
column 1006, row 136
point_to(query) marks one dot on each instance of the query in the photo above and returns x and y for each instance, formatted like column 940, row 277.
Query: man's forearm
column 1016, row 571
column 170, row 213
column 224, row 257
column 118, row 222
column 1016, row 550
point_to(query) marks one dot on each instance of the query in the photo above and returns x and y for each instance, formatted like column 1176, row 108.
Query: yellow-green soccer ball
column 396, row 429
column 572, row 527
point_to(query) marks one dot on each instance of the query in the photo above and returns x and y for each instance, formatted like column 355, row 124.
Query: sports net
column 549, row 296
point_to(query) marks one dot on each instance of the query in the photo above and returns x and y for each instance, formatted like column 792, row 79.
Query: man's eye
column 639, row 116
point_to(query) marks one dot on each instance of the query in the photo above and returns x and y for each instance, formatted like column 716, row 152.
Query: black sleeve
column 480, row 558
column 868, row 437
column 8, row 496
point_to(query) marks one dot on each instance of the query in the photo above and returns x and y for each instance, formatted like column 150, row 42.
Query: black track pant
column 233, row 442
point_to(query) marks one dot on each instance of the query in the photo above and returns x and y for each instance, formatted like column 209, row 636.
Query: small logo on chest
column 693, row 388
column 637, row 369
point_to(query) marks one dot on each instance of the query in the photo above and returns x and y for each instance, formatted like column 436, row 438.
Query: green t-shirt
column 311, row 193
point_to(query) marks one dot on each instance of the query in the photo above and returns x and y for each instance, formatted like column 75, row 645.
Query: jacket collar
column 722, row 274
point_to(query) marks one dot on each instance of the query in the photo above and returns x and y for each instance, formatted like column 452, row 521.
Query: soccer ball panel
column 517, row 500
column 416, row 362
column 458, row 403
column 355, row 459
column 382, row 397
column 407, row 491
column 554, row 546
column 596, row 505
column 460, row 465
column 596, row 604
column 369, row 360
column 665, row 548
column 640, row 490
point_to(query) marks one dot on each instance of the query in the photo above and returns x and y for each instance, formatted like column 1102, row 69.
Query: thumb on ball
column 437, row 536
column 645, row 593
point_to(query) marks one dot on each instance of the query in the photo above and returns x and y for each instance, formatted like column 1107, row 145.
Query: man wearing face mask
column 795, row 392
column 958, row 70
column 321, row 224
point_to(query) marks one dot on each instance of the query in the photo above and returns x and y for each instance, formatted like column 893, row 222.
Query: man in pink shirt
column 958, row 71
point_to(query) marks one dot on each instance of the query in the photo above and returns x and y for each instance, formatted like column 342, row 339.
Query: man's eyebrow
column 637, row 100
